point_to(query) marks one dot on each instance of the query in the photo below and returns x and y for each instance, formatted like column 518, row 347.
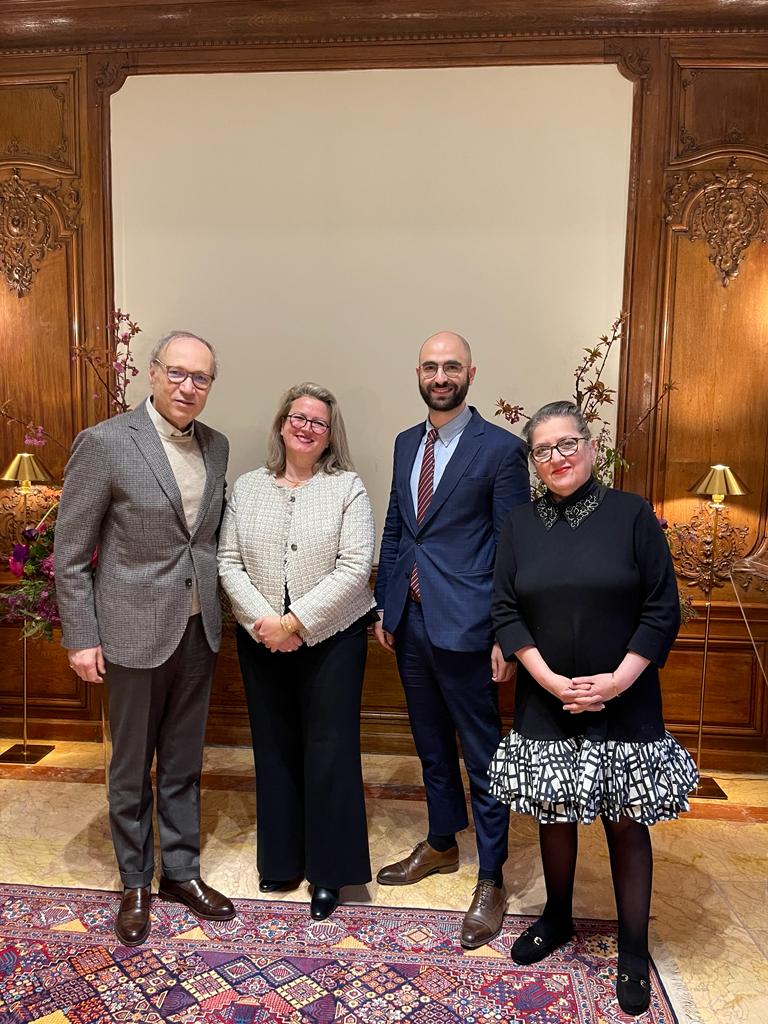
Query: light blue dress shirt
column 447, row 441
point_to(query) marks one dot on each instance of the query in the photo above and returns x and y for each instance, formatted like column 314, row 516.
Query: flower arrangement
column 31, row 603
column 590, row 394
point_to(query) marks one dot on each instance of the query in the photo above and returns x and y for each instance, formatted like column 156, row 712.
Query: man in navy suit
column 455, row 478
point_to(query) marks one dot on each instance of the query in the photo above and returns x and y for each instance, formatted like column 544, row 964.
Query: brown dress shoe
column 132, row 921
column 201, row 899
column 423, row 860
column 482, row 922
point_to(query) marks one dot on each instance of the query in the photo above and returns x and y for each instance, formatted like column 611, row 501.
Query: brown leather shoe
column 482, row 922
column 201, row 899
column 132, row 921
column 423, row 860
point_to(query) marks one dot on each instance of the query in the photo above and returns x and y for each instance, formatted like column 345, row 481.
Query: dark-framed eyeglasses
column 177, row 375
column 566, row 446
column 298, row 421
column 451, row 368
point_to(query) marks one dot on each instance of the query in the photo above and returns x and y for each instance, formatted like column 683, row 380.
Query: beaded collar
column 574, row 509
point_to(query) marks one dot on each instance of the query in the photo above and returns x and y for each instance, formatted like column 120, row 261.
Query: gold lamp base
column 708, row 789
column 29, row 753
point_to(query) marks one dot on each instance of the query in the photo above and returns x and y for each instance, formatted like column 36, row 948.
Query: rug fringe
column 669, row 973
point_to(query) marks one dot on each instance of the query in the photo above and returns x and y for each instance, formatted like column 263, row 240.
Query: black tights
column 629, row 848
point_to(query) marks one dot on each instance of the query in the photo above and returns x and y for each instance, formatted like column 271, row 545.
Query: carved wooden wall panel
column 719, row 109
column 46, row 280
column 37, row 123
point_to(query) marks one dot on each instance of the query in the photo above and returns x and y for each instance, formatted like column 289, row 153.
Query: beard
column 449, row 399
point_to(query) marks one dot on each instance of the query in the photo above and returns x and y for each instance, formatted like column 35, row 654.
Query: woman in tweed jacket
column 295, row 557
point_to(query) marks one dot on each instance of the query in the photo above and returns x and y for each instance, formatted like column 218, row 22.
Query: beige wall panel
column 321, row 225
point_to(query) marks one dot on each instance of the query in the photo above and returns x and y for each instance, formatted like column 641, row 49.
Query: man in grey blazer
column 145, row 490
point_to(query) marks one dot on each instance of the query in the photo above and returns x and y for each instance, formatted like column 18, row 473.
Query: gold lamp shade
column 719, row 481
column 26, row 469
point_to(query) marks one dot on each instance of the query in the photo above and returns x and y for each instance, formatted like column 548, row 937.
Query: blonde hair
column 336, row 457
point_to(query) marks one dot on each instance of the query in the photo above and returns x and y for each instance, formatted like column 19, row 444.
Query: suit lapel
column 210, row 474
column 149, row 444
column 466, row 450
column 405, row 466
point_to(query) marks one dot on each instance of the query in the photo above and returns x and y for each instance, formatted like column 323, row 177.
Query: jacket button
column 294, row 547
column 292, row 497
column 188, row 583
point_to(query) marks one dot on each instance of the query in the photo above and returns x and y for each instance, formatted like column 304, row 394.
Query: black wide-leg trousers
column 304, row 708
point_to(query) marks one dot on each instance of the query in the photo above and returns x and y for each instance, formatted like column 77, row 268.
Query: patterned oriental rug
column 61, row 964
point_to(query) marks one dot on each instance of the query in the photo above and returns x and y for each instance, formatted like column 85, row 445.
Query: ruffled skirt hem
column 577, row 779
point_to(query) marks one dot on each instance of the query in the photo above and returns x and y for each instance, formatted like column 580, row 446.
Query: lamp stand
column 25, row 753
column 708, row 789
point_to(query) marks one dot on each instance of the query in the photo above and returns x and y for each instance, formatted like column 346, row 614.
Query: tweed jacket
column 121, row 496
column 317, row 540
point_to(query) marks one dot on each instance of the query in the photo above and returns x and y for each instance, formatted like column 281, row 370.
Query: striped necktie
column 424, row 497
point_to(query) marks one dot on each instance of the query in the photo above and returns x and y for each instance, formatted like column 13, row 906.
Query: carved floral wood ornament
column 696, row 551
column 728, row 209
column 34, row 220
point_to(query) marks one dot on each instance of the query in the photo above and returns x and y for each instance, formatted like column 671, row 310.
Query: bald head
column 448, row 339
column 445, row 372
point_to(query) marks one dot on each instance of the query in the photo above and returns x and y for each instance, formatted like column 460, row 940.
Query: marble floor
column 709, row 930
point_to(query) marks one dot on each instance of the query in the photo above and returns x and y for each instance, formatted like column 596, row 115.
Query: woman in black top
column 586, row 600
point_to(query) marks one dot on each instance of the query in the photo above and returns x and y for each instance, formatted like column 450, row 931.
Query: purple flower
column 17, row 559
column 35, row 436
column 30, row 534
column 47, row 566
column 663, row 523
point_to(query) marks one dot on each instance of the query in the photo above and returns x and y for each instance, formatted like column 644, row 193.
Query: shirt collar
column 166, row 429
column 574, row 509
column 452, row 428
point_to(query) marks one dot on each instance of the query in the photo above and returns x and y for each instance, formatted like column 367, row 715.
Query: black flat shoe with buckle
column 633, row 991
column 539, row 940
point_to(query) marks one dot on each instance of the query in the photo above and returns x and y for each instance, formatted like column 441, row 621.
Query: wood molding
column 28, row 25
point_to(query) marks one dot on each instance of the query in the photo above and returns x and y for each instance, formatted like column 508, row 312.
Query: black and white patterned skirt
column 576, row 779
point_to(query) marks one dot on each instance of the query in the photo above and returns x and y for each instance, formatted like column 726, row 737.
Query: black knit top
column 585, row 580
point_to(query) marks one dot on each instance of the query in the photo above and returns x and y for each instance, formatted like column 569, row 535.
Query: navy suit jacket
column 455, row 546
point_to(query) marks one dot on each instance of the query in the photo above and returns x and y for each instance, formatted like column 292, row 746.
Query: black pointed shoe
column 324, row 902
column 275, row 885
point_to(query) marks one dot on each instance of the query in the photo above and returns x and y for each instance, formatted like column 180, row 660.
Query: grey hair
column 162, row 343
column 336, row 456
column 554, row 410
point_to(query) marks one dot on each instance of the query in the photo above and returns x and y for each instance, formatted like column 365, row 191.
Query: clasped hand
column 583, row 693
column 269, row 632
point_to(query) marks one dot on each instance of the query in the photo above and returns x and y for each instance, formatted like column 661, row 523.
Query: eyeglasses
column 450, row 368
column 177, row 375
column 566, row 446
column 298, row 421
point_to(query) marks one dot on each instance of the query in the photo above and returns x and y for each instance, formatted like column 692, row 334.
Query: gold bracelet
column 287, row 628
column 615, row 687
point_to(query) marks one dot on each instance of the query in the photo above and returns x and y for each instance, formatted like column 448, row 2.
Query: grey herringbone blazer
column 120, row 494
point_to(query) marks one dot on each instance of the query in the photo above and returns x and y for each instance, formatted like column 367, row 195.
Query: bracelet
column 615, row 687
column 287, row 626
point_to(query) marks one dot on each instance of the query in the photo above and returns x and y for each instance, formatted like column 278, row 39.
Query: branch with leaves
column 35, row 436
column 114, row 366
column 591, row 394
